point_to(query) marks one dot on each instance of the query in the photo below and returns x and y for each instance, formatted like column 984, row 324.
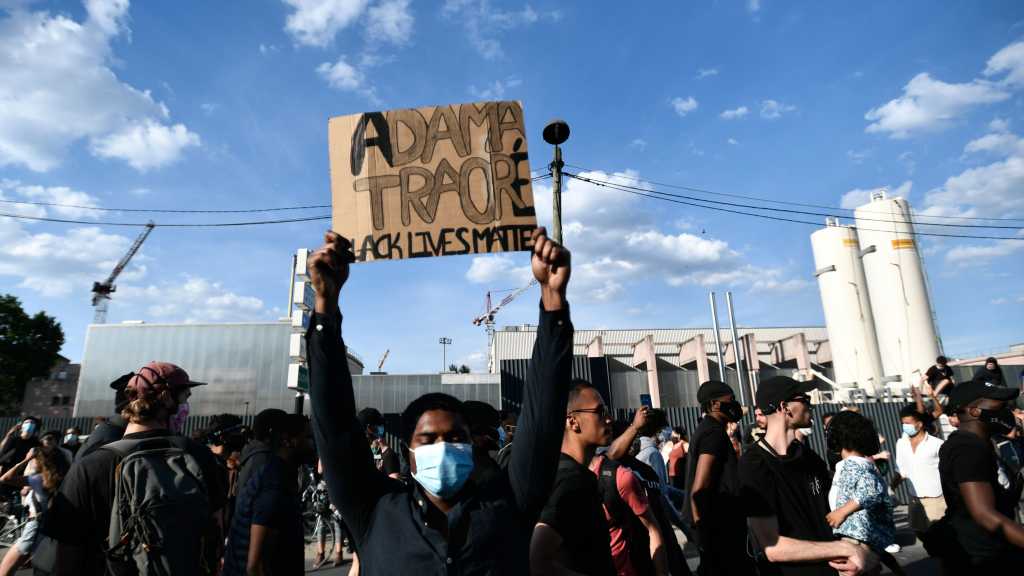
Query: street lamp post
column 444, row 341
column 556, row 133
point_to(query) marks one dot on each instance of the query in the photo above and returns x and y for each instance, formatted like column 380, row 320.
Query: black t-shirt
column 576, row 512
column 793, row 488
column 269, row 499
column 936, row 374
column 15, row 451
column 79, row 513
column 387, row 461
column 966, row 457
column 710, row 437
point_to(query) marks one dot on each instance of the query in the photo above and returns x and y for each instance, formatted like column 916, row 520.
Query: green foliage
column 28, row 349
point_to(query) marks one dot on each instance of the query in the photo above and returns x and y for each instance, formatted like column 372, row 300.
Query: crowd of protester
column 560, row 487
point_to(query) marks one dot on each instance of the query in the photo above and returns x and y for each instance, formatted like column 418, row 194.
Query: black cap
column 967, row 392
column 713, row 389
column 778, row 389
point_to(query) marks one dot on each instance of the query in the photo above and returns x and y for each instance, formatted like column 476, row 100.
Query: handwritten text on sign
column 432, row 181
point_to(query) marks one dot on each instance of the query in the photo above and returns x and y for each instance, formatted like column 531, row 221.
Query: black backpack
column 622, row 516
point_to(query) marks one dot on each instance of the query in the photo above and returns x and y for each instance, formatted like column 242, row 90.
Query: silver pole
column 291, row 286
column 740, row 366
column 718, row 338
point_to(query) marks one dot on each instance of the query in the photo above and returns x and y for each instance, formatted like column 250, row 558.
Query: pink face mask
column 178, row 420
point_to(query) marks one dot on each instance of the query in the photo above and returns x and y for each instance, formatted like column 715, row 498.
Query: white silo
column 907, row 339
column 844, row 298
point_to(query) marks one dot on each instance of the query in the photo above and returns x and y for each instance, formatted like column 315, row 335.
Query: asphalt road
column 912, row 557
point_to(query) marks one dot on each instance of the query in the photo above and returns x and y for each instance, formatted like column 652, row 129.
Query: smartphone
column 645, row 400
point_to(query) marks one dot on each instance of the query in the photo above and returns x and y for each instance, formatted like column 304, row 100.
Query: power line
column 653, row 194
column 203, row 225
column 163, row 210
column 787, row 210
column 801, row 204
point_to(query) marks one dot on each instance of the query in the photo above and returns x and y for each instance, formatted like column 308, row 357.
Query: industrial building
column 245, row 364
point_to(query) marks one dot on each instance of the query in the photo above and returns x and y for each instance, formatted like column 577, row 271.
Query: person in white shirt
column 917, row 462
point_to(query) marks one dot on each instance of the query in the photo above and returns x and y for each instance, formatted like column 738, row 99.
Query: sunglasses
column 601, row 411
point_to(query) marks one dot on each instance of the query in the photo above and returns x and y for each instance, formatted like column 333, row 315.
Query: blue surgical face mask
column 28, row 427
column 502, row 436
column 442, row 468
column 910, row 430
column 380, row 432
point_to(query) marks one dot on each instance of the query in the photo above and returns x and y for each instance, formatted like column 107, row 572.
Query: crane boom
column 487, row 319
column 101, row 290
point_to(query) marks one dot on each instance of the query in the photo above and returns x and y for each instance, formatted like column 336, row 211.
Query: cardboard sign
column 433, row 181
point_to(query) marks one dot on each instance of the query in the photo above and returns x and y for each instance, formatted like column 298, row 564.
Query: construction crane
column 101, row 291
column 487, row 319
column 380, row 365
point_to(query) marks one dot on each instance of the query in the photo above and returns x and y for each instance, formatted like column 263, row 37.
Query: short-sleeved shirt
column 858, row 479
column 966, row 457
column 793, row 488
column 711, row 438
column 79, row 513
column 936, row 375
column 270, row 499
column 38, row 497
column 576, row 512
column 635, row 497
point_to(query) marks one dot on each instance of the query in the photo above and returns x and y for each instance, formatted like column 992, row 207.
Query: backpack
column 161, row 507
column 622, row 517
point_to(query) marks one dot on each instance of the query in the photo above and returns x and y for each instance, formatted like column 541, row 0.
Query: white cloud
column 684, row 106
column 706, row 73
column 858, row 156
column 343, row 76
column 54, row 195
column 754, row 5
column 55, row 265
column 981, row 254
column 1009, row 60
column 209, row 108
column 316, row 22
column 492, row 269
column 998, row 301
column 390, row 21
column 735, row 113
column 268, row 49
column 930, row 105
column 193, row 299
column 483, row 23
column 991, row 190
column 858, row 197
column 732, row 141
column 773, row 109
column 57, row 87
column 638, row 144
column 146, row 145
column 616, row 242
column 495, row 90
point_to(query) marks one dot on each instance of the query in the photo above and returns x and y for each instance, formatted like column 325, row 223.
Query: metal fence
column 85, row 424
column 886, row 417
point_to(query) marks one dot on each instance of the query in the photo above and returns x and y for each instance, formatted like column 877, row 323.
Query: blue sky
column 225, row 105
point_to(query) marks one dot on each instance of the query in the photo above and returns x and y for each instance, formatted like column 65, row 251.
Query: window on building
column 55, row 401
column 64, row 401
column 62, row 375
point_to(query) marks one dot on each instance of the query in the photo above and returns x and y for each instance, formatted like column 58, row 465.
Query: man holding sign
column 447, row 522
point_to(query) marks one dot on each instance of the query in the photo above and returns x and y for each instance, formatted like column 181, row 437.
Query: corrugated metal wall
column 513, row 377
column 391, row 393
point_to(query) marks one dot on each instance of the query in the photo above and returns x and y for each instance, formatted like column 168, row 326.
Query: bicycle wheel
column 10, row 533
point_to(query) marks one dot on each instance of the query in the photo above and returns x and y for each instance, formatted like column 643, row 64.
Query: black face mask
column 733, row 411
column 999, row 421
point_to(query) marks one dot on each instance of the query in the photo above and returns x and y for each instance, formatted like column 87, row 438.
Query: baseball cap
column 779, row 389
column 713, row 389
column 156, row 375
column 967, row 392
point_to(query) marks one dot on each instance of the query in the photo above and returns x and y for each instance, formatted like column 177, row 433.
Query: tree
column 28, row 349
column 454, row 369
column 463, row 369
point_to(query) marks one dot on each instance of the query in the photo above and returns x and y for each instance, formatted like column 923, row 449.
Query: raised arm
column 352, row 479
column 619, row 447
column 542, row 420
